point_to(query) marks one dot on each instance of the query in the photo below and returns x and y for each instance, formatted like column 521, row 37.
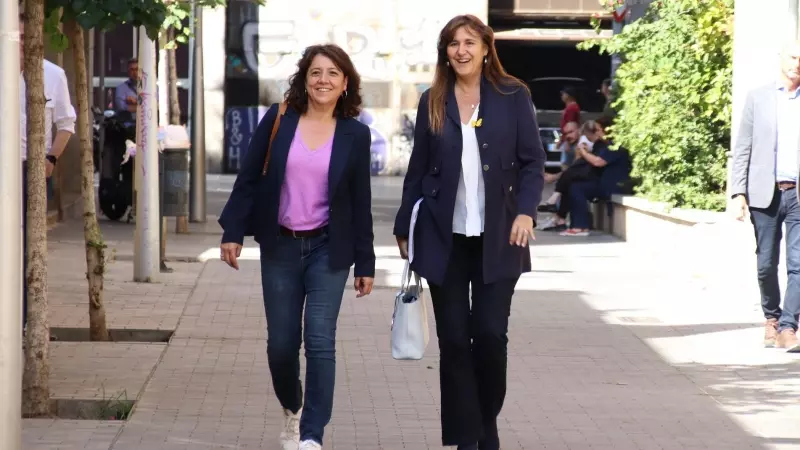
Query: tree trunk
column 172, row 77
column 95, row 247
column 36, row 377
column 181, row 222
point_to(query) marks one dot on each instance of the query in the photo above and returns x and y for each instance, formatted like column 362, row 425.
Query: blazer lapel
column 485, row 103
column 451, row 106
column 282, row 144
column 772, row 113
column 342, row 142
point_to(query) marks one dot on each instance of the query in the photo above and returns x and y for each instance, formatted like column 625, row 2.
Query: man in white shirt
column 59, row 114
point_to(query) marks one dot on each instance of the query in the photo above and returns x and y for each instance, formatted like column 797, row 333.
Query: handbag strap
column 275, row 125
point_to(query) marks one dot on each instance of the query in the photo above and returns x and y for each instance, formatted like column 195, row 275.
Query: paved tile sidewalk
column 607, row 351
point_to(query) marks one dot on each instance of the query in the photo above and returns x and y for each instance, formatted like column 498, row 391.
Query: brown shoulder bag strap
column 281, row 112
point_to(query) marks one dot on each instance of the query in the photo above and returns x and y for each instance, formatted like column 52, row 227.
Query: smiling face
column 325, row 82
column 466, row 52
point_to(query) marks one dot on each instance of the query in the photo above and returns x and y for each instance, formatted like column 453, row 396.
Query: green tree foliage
column 105, row 15
column 673, row 99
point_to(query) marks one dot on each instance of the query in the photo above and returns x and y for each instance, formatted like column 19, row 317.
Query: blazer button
column 433, row 192
column 485, row 167
column 510, row 188
column 485, row 145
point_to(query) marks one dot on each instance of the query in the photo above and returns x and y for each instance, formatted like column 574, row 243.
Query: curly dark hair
column 348, row 106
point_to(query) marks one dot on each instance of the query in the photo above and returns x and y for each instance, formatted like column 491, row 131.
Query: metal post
column 197, row 182
column 102, row 93
column 163, row 82
column 146, row 246
column 10, row 231
column 193, row 30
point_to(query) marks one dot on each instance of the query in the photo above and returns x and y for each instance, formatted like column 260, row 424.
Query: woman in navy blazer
column 311, row 214
column 478, row 166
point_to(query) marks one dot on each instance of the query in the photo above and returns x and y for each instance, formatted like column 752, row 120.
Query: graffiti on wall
column 240, row 125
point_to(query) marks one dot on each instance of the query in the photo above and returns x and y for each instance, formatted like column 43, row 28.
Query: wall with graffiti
column 391, row 42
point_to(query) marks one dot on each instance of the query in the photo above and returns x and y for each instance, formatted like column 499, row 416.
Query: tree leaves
column 673, row 95
column 155, row 15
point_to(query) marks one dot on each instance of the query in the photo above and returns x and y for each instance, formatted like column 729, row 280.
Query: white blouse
column 58, row 109
column 468, row 215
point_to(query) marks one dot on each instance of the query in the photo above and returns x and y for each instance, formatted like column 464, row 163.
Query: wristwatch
column 52, row 159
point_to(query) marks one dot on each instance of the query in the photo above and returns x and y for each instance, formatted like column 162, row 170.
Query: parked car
column 550, row 137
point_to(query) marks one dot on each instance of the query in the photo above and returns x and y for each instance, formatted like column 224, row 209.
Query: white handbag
column 410, row 319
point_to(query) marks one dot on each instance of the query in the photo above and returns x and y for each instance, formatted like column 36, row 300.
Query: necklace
column 473, row 101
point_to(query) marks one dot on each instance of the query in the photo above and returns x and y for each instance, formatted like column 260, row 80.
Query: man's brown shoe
column 770, row 333
column 787, row 339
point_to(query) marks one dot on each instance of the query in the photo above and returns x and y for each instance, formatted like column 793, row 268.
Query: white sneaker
column 308, row 444
column 290, row 435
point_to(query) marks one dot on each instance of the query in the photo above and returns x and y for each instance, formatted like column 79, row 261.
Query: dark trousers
column 581, row 171
column 580, row 194
column 473, row 346
column 767, row 224
column 295, row 273
column 24, row 244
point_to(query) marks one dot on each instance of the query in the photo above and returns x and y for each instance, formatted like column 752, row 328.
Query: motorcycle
column 114, row 164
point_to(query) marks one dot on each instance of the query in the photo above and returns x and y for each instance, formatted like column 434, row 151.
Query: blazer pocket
column 508, row 181
column 508, row 162
column 430, row 186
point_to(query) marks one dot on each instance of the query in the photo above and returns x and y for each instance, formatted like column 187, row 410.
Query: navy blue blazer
column 255, row 197
column 513, row 173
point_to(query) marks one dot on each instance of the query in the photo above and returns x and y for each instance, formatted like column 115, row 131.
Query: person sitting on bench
column 579, row 170
column 612, row 169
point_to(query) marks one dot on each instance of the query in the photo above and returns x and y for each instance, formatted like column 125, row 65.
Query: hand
column 522, row 231
column 229, row 252
column 739, row 207
column 402, row 245
column 363, row 285
column 48, row 169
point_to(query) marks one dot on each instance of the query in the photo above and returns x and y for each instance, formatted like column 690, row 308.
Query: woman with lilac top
column 310, row 212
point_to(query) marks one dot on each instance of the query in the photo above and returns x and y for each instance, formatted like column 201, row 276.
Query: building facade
column 392, row 43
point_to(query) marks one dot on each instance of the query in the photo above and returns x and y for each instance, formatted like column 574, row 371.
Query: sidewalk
column 607, row 351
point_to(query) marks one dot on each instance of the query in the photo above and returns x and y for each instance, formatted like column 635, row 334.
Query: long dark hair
column 493, row 71
column 347, row 106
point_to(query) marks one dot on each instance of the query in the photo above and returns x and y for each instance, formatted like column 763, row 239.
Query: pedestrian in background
column 764, row 180
column 59, row 115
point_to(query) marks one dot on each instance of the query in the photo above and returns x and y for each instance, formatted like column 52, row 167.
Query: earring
column 484, row 60
column 344, row 94
column 447, row 63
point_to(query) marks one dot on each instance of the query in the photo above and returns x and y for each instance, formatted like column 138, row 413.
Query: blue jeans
column 767, row 224
column 296, row 273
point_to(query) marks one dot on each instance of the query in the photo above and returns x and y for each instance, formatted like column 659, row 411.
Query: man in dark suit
column 764, row 179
